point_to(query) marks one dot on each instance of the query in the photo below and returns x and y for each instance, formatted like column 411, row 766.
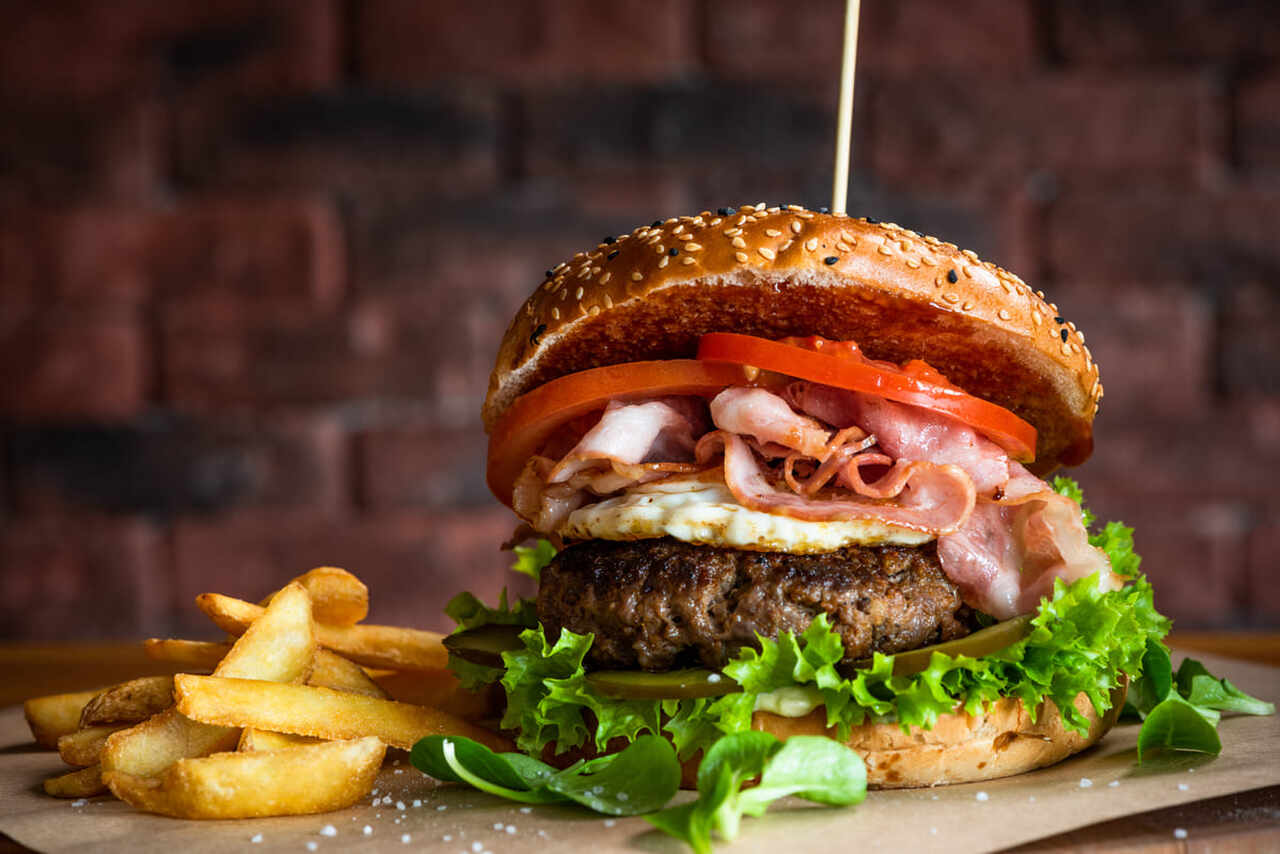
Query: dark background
column 256, row 257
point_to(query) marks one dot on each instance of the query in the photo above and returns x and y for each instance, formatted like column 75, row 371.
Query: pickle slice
column 485, row 644
column 672, row 685
column 982, row 642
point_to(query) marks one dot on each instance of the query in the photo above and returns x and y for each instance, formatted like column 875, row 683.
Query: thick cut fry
column 263, row 739
column 337, row 597
column 330, row 670
column 54, row 716
column 278, row 647
column 189, row 654
column 82, row 748
column 294, row 781
column 389, row 647
column 129, row 702
column 420, row 687
column 85, row 783
column 319, row 712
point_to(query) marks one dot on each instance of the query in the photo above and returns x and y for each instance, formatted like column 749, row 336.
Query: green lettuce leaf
column 469, row 612
column 530, row 560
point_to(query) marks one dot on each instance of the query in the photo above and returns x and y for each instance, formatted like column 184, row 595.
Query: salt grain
column 400, row 805
column 448, row 837
column 609, row 822
column 404, row 837
column 256, row 838
column 328, row 830
column 79, row 802
column 477, row 847
column 1113, row 784
column 526, row 810
column 442, row 807
column 982, row 796
column 511, row 829
column 1182, row 787
column 417, row 802
column 311, row 846
column 1179, row 833
column 368, row 831
column 1085, row 782
column 497, row 825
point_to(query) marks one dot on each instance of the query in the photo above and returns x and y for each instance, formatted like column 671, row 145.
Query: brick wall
column 251, row 283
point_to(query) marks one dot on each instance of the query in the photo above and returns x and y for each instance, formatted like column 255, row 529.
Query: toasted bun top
column 775, row 272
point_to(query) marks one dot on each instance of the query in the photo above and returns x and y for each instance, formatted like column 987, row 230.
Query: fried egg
column 707, row 514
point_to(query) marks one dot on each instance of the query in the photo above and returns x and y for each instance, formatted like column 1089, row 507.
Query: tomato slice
column 842, row 364
column 534, row 416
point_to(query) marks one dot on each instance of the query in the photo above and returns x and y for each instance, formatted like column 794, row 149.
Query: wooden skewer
column 844, row 119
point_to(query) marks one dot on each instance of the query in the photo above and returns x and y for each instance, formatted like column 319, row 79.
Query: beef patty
column 659, row 604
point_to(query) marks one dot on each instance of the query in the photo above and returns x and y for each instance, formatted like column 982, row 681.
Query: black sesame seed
column 533, row 339
column 550, row 273
column 673, row 252
column 609, row 240
column 1064, row 335
column 829, row 260
column 1059, row 320
column 612, row 255
column 656, row 223
column 824, row 210
column 871, row 220
column 952, row 277
column 727, row 211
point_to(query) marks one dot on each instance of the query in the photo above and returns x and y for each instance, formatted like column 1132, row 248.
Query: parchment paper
column 1101, row 784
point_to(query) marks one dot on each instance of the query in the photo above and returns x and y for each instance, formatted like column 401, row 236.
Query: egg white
column 707, row 514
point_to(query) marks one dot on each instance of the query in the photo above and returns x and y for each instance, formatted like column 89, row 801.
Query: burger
column 785, row 470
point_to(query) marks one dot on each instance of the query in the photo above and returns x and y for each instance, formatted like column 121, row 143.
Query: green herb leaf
column 1201, row 688
column 530, row 560
column 639, row 779
column 460, row 760
column 1156, row 681
column 1175, row 724
column 812, row 767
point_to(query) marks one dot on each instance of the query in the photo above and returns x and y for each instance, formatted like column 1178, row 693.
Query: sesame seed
column 951, row 298
column 767, row 252
column 732, row 232
column 595, row 270
column 824, row 210
column 715, row 222
column 595, row 309
column 1064, row 335
column 726, row 211
column 845, row 247
column 968, row 305
column 555, row 313
column 970, row 254
column 870, row 220
column 1004, row 314
column 913, row 263
column 635, row 277
column 673, row 252
column 608, row 240
column 784, row 247
column 884, row 250
column 773, row 232
column 796, row 226
column 612, row 255
column 829, row 260
column 663, row 262
column 657, row 223
column 1037, row 318
column 741, row 256
column 952, row 277
column 811, row 244
column 1068, row 350
column 740, row 243
column 692, row 247
column 687, row 260
column 577, row 294
column 660, row 249
column 604, row 280
column 608, row 301
column 1059, row 320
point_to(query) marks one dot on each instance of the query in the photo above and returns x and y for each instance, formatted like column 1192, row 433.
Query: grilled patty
column 660, row 604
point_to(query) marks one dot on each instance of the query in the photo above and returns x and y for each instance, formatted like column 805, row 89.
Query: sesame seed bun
column 775, row 272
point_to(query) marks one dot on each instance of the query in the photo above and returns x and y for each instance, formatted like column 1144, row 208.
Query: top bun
column 780, row 271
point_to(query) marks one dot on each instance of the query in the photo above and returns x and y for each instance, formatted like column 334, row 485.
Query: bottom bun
column 960, row 748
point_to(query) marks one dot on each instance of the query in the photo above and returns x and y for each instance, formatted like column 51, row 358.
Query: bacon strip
column 628, row 434
column 931, row 499
column 770, row 420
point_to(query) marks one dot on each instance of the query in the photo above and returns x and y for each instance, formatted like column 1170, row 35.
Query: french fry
column 319, row 712
column 82, row 748
column 129, row 702
column 420, row 687
column 277, row 647
column 188, row 654
column 85, row 783
column 263, row 739
column 55, row 715
column 389, row 647
column 330, row 670
column 338, row 598
column 294, row 781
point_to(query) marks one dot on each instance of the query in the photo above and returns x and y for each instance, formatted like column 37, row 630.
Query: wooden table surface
column 1245, row 822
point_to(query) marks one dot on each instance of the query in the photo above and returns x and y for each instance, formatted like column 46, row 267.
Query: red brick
column 87, row 49
column 439, row 142
column 1258, row 124
column 1264, row 586
column 1153, row 32
column 165, row 466
column 1097, row 234
column 82, row 577
column 413, row 562
column 111, row 254
column 422, row 467
column 1155, row 346
column 406, row 42
column 957, row 133
column 1250, row 346
column 768, row 39
column 104, row 150
column 73, row 364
